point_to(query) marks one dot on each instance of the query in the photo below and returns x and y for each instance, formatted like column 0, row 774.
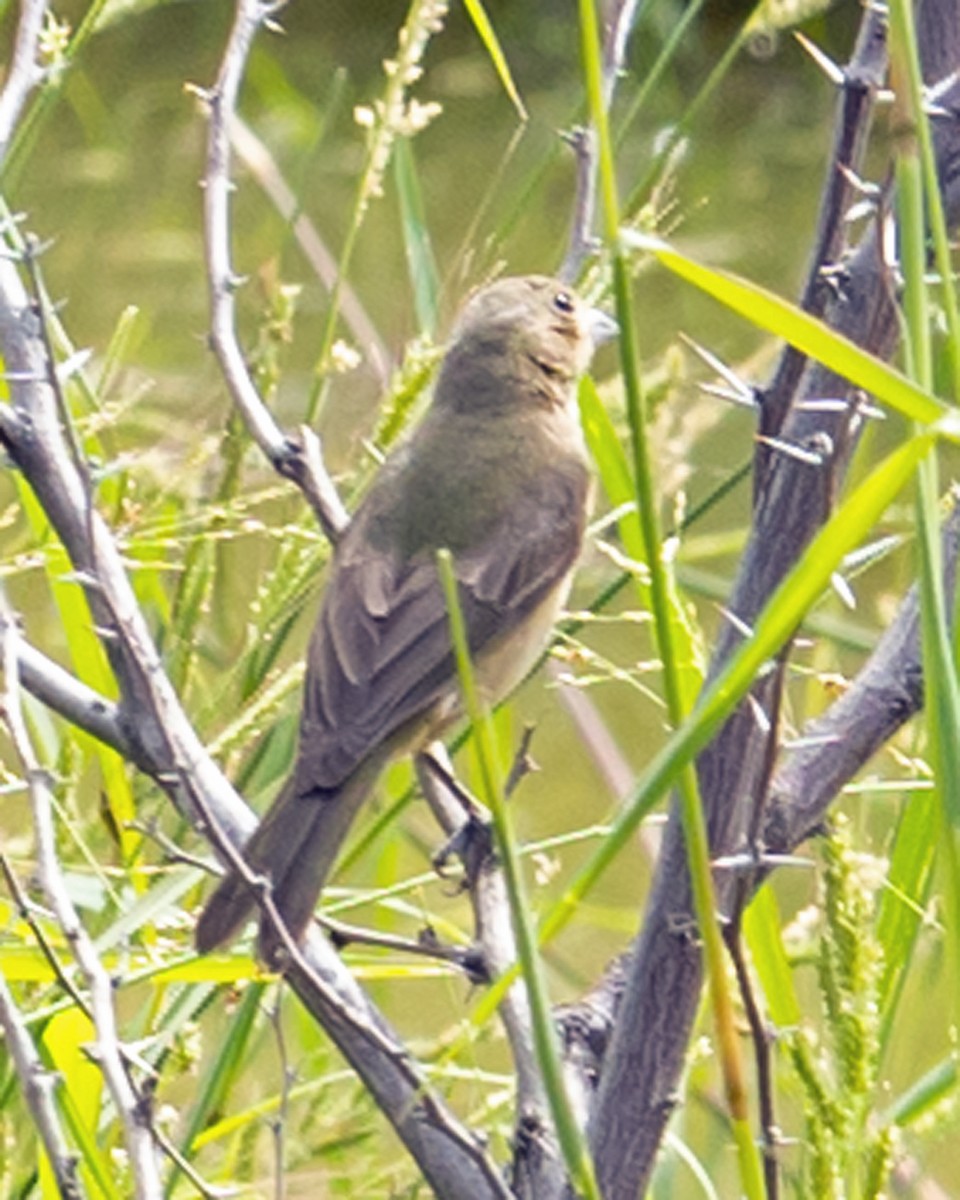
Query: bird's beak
column 600, row 326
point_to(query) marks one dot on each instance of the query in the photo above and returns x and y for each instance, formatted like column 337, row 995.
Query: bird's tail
column 295, row 845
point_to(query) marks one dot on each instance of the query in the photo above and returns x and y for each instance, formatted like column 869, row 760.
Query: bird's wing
column 381, row 652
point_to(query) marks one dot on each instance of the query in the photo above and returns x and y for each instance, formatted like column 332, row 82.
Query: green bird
column 497, row 473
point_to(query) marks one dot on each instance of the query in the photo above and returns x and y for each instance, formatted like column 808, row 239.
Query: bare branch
column 162, row 741
column 860, row 82
column 495, row 936
column 618, row 22
column 129, row 1102
column 73, row 700
column 38, row 1086
column 885, row 694
column 288, row 459
column 25, row 71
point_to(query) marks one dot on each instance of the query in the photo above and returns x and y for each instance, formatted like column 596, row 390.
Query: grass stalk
column 569, row 1134
column 696, row 836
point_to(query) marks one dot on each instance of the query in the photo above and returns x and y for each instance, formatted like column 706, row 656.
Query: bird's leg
column 462, row 817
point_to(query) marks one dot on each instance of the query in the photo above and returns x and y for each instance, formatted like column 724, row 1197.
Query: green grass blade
column 928, row 1093
column 678, row 691
column 569, row 1134
column 810, row 336
column 762, row 928
column 941, row 682
column 421, row 263
column 65, row 1040
column 783, row 613
column 494, row 50
column 901, row 915
column 214, row 1087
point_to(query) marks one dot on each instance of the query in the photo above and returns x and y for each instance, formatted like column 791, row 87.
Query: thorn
column 743, row 393
column 738, row 623
column 812, row 458
column 759, row 714
column 824, row 405
column 811, row 741
column 937, row 90
column 22, row 377
column 832, row 270
column 870, row 411
column 36, row 248
column 753, row 862
column 84, row 578
column 199, row 92
column 888, row 244
column 843, row 590
column 574, row 137
column 867, row 555
column 73, row 365
column 827, row 404
column 835, row 276
column 858, row 183
column 12, row 220
column 860, row 211
column 826, row 64
column 713, row 389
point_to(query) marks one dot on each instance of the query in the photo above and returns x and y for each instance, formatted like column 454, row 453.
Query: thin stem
column 569, row 1133
column 694, row 821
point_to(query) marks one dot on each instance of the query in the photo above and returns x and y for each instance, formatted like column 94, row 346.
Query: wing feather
column 381, row 652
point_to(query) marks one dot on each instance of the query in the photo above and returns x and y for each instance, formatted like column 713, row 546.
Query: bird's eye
column 563, row 302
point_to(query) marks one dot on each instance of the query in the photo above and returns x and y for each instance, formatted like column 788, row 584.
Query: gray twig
column 39, row 1086
column 618, row 22
column 25, row 71
column 129, row 1102
column 288, row 459
column 494, row 933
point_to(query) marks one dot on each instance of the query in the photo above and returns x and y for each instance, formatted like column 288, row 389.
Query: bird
column 497, row 473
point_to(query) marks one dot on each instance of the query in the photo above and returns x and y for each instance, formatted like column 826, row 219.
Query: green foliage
column 848, row 1147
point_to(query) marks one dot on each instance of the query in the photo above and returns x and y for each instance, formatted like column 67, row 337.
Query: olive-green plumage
column 496, row 473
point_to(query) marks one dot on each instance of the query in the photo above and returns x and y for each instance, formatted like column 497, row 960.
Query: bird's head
column 528, row 332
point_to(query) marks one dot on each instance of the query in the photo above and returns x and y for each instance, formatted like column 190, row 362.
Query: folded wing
column 381, row 651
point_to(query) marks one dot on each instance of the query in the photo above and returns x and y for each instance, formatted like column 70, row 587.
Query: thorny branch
column 301, row 463
column 484, row 881
column 39, row 1086
column 153, row 727
column 662, row 982
column 25, row 71
column 149, row 723
column 619, row 16
column 129, row 1100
